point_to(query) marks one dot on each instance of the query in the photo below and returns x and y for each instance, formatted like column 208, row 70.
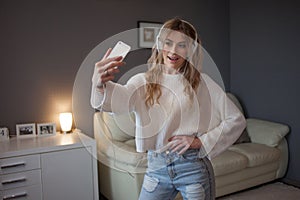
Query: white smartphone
column 120, row 49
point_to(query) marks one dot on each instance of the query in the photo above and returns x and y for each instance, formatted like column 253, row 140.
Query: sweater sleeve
column 227, row 122
column 116, row 98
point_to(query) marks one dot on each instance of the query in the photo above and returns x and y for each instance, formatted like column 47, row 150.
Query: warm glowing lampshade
column 65, row 120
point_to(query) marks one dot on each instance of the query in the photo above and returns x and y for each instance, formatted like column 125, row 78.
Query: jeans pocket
column 150, row 183
column 191, row 157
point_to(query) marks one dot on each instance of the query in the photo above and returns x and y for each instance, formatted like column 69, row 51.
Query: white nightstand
column 59, row 167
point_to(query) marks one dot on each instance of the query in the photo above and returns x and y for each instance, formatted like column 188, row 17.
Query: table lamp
column 65, row 120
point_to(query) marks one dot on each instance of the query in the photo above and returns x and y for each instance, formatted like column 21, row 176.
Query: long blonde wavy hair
column 190, row 69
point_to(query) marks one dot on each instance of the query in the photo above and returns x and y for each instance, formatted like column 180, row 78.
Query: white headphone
column 159, row 44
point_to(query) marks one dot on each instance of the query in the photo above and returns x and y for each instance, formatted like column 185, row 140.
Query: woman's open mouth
column 173, row 58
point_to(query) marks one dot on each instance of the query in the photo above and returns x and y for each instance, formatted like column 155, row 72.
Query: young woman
column 183, row 118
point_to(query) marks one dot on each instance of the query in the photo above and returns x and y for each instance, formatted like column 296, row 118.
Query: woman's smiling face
column 175, row 50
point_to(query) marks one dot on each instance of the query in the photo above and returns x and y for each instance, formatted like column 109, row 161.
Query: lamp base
column 66, row 132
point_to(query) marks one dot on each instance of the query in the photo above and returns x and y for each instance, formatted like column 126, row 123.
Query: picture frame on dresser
column 46, row 129
column 25, row 130
column 4, row 134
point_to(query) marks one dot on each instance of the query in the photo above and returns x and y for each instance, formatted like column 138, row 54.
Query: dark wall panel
column 265, row 72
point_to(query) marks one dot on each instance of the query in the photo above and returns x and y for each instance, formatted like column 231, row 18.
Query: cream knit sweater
column 209, row 115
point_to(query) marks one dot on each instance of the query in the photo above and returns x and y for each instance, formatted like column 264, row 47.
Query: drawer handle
column 14, row 196
column 11, row 181
column 13, row 165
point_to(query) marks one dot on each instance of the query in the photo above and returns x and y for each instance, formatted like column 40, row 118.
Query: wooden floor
column 271, row 191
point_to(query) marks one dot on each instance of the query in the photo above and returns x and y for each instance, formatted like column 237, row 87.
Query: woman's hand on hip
column 106, row 68
column 181, row 143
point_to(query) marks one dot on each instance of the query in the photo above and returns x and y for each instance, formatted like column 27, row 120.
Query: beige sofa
column 243, row 165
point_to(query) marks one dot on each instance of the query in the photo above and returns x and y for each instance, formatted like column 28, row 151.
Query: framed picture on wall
column 46, row 129
column 147, row 33
column 26, row 130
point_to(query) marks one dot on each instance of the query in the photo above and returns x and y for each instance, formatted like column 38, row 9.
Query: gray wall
column 43, row 44
column 265, row 70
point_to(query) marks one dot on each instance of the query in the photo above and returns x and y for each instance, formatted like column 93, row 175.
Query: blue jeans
column 169, row 173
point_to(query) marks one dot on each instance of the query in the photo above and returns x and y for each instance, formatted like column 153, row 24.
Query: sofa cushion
column 244, row 136
column 235, row 101
column 227, row 162
column 121, row 152
column 266, row 132
column 120, row 126
column 257, row 154
column 131, row 143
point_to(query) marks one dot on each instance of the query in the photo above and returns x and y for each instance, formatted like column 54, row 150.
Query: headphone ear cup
column 158, row 44
column 195, row 46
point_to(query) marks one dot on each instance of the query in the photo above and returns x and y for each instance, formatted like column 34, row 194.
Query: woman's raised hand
column 106, row 68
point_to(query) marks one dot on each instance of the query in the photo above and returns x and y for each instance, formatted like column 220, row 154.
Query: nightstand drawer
column 18, row 164
column 20, row 179
column 31, row 192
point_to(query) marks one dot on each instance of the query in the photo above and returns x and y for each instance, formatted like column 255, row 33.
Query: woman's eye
column 182, row 45
column 168, row 43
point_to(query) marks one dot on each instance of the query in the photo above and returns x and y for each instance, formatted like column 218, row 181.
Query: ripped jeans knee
column 155, row 189
column 195, row 192
column 150, row 183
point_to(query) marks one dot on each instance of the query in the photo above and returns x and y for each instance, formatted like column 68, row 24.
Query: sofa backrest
column 121, row 127
column 235, row 101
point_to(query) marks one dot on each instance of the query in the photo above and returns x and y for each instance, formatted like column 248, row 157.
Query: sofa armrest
column 266, row 132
